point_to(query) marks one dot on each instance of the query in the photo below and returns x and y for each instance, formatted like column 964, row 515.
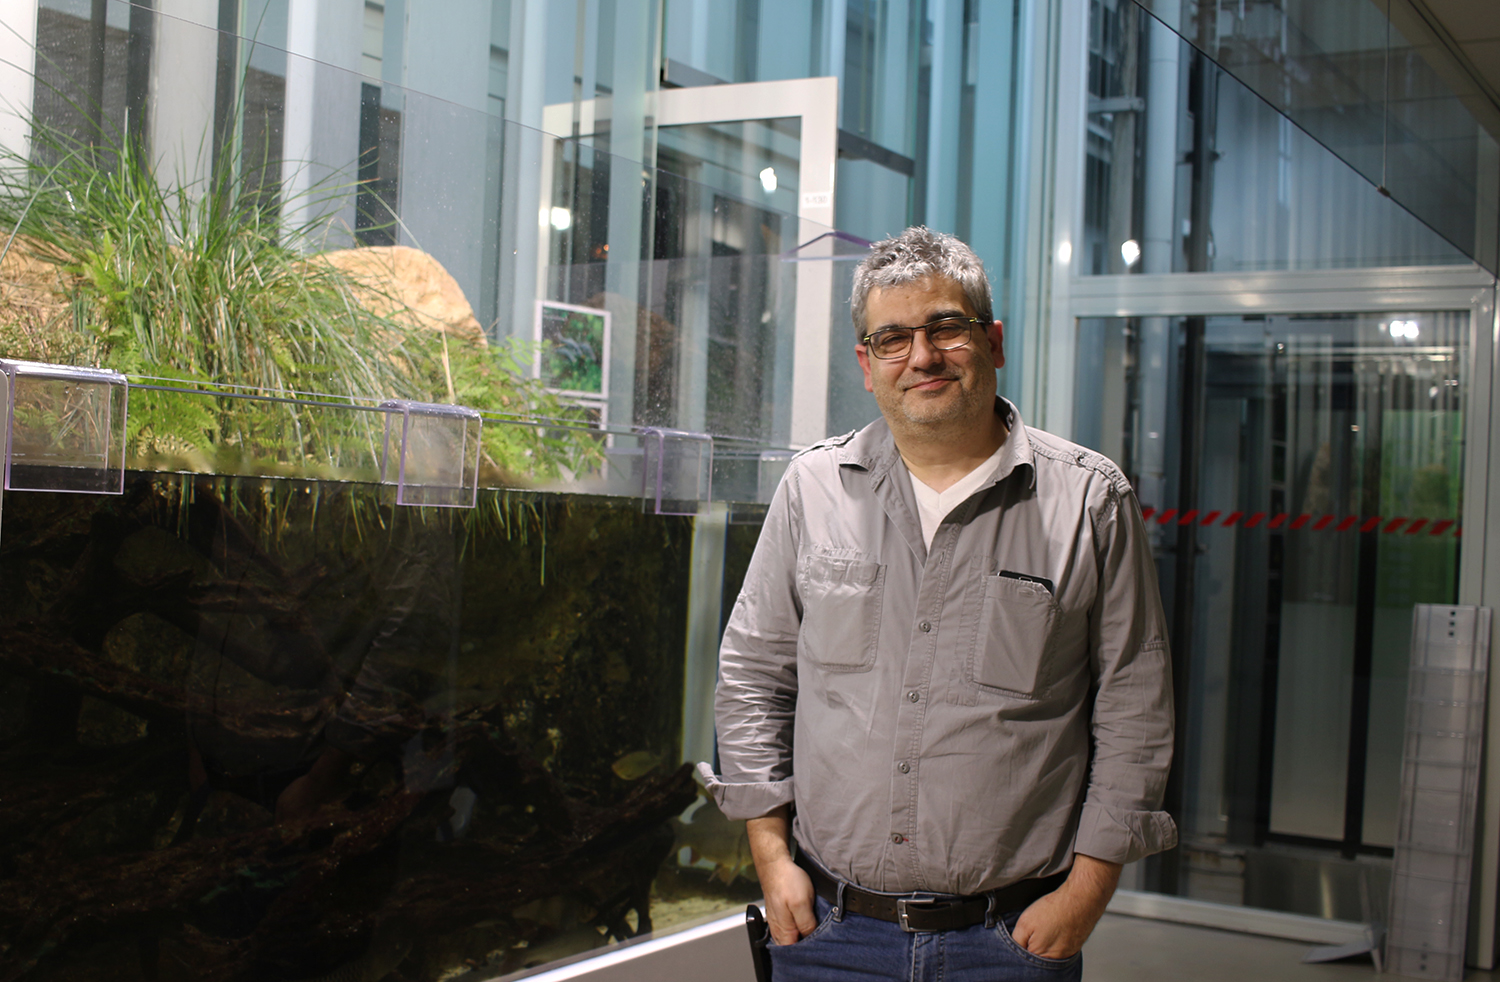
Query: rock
column 408, row 284
column 103, row 724
column 227, row 813
column 147, row 644
column 153, row 556
column 117, row 822
column 13, row 693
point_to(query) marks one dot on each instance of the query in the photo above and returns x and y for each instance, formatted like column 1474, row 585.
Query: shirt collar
column 874, row 449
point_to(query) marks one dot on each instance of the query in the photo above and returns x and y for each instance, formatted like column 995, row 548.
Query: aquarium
column 278, row 727
column 361, row 587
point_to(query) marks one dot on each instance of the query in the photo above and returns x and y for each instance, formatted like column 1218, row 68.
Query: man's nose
column 924, row 353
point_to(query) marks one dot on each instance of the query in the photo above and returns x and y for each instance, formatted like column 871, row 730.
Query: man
column 946, row 675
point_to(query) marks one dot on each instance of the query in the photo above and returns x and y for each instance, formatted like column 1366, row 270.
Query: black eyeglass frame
column 911, row 332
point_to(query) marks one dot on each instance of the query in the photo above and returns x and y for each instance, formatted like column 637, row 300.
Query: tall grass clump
column 202, row 283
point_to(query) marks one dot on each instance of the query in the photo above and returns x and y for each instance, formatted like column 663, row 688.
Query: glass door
column 725, row 194
column 722, row 335
column 1300, row 477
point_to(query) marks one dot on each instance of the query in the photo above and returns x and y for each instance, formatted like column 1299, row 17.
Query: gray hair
column 916, row 254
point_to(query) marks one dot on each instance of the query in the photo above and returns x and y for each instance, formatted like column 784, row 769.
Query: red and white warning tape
column 1388, row 526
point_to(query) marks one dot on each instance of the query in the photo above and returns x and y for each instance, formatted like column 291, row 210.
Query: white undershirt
column 934, row 506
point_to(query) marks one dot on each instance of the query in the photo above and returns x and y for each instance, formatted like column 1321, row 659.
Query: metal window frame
column 814, row 102
column 1396, row 289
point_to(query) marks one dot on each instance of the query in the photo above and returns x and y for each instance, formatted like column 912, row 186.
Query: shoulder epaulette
column 1083, row 457
column 827, row 443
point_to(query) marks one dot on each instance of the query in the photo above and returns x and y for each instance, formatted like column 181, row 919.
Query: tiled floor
column 1132, row 949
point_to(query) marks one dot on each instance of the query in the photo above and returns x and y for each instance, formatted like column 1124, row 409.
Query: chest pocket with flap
column 841, row 600
column 1012, row 636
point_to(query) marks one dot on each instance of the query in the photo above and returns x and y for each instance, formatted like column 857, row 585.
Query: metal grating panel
column 1439, row 791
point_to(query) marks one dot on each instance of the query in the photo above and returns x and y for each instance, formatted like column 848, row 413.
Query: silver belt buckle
column 902, row 903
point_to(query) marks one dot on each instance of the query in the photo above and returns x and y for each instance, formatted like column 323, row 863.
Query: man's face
column 930, row 386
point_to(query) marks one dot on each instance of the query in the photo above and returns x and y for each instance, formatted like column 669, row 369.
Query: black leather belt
column 928, row 912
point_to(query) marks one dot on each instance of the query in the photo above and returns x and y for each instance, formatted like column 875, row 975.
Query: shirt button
column 913, row 696
column 925, row 626
column 898, row 838
column 904, row 767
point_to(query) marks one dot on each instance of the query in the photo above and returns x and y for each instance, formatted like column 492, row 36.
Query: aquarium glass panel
column 283, row 726
column 259, row 718
column 462, row 257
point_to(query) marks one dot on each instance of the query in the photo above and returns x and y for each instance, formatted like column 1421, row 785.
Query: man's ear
column 995, row 333
column 863, row 354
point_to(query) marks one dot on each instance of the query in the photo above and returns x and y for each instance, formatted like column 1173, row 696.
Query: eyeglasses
column 945, row 334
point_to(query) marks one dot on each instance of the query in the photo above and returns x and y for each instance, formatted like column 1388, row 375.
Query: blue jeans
column 861, row 949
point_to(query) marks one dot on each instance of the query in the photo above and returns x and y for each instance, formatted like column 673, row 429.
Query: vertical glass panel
column 723, row 297
column 1299, row 475
column 1189, row 169
column 683, row 260
column 1374, row 85
column 264, row 648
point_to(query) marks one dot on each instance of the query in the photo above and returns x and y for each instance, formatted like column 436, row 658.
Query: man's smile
column 930, row 384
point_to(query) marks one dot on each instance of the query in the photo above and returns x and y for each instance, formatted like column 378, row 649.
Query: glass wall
column 1300, row 476
column 273, row 712
column 1377, row 86
column 1301, row 468
column 1191, row 170
column 512, row 214
column 934, row 124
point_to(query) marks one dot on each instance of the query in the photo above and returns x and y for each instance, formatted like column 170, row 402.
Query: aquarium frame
column 469, row 472
column 14, row 370
column 657, row 444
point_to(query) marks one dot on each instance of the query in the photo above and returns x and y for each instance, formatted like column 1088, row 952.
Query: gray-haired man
column 947, row 675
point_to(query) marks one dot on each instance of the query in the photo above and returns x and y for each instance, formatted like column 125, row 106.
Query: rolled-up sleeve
column 756, row 701
column 1121, row 820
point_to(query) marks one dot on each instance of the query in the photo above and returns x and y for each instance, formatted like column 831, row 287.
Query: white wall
column 17, row 61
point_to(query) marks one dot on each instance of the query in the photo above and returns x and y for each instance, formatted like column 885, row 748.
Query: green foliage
column 199, row 283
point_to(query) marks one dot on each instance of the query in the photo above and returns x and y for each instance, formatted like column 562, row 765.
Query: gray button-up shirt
column 958, row 718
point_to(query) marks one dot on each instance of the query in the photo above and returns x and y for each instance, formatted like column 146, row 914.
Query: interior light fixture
column 1405, row 329
column 1130, row 251
column 562, row 219
column 768, row 179
column 1064, row 253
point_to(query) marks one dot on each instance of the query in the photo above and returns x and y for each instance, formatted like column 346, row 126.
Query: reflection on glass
column 1376, row 86
column 1192, row 168
column 280, row 726
column 1308, row 502
column 264, row 728
column 684, row 259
